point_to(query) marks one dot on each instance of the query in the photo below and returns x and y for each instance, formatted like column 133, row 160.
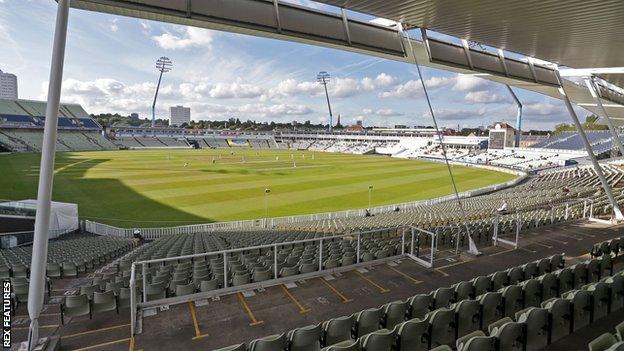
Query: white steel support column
column 593, row 89
column 46, row 174
column 518, row 116
column 590, row 152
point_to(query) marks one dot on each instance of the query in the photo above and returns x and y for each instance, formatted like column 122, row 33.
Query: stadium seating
column 609, row 341
column 68, row 256
column 435, row 321
column 32, row 140
column 533, row 199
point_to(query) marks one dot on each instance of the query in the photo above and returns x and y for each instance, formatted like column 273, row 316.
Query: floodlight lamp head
column 164, row 64
column 322, row 77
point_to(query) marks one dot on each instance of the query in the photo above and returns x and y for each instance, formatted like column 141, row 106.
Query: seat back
column 566, row 280
column 394, row 313
column 498, row 280
column 580, row 274
column 491, row 307
column 187, row 289
column 532, row 293
column 560, row 314
column 509, row 336
column 305, row 339
column 367, row 321
column 512, row 300
column 549, row 286
column 601, row 299
column 237, row 347
column 443, row 297
column 275, row 342
column 482, row 284
column 336, row 330
column 581, row 308
column 464, row 290
column 413, row 335
column 380, row 340
column 419, row 305
column 537, row 327
column 441, row 327
column 467, row 316
column 602, row 343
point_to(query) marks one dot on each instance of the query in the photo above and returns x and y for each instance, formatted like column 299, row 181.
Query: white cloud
column 409, row 89
column 384, row 80
column 110, row 95
column 146, row 28
column 113, row 25
column 252, row 110
column 413, row 88
column 191, row 37
column 449, row 114
column 388, row 112
column 234, row 90
column 465, row 82
column 485, row 97
column 337, row 88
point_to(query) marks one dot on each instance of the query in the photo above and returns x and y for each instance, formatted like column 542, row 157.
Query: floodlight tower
column 323, row 78
column 163, row 65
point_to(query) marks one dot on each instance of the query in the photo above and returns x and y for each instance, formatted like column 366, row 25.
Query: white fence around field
column 153, row 233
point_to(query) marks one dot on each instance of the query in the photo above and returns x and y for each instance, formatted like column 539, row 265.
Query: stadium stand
column 534, row 197
column 600, row 140
column 514, row 307
column 525, row 308
column 523, row 159
column 22, row 121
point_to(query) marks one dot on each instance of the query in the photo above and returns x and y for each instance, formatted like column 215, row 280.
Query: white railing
column 226, row 289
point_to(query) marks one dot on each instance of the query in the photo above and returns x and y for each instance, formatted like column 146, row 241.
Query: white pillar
column 518, row 116
column 590, row 152
column 46, row 174
column 593, row 88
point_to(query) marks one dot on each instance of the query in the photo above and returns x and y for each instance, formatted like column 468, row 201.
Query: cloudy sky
column 109, row 67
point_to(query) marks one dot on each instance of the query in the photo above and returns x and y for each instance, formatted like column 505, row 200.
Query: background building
column 502, row 135
column 8, row 86
column 179, row 115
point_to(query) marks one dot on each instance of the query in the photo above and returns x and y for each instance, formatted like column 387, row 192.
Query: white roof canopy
column 572, row 33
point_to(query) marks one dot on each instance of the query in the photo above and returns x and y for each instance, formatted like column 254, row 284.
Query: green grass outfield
column 154, row 188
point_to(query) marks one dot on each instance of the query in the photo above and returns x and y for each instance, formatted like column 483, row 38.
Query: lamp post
column 163, row 65
column 267, row 191
column 370, row 192
column 323, row 78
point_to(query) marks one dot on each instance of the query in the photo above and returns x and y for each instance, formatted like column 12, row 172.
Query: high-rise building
column 179, row 115
column 8, row 86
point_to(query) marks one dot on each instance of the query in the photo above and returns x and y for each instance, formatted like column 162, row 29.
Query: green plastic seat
column 104, row 302
column 380, row 340
column 187, row 289
column 337, row 330
column 412, row 335
column 269, row 343
column 75, row 306
column 602, row 343
column 305, row 338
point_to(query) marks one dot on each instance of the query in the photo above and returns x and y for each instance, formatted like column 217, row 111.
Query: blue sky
column 109, row 67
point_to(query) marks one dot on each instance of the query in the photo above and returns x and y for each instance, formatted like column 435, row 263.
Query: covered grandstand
column 22, row 122
column 481, row 270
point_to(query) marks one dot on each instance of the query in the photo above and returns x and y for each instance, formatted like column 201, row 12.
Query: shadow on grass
column 102, row 200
